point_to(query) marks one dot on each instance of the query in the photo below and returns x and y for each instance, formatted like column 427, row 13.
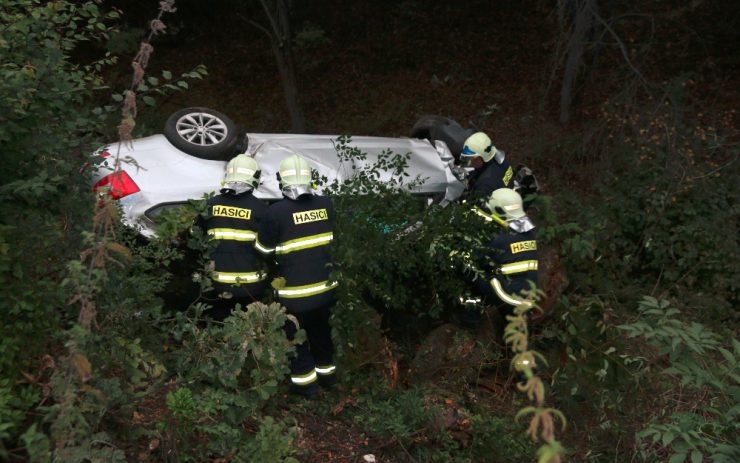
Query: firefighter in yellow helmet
column 297, row 230
column 509, row 258
column 232, row 220
column 492, row 170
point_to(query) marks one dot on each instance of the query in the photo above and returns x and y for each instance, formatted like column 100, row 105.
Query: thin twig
column 259, row 26
column 727, row 164
column 407, row 452
column 621, row 47
column 273, row 23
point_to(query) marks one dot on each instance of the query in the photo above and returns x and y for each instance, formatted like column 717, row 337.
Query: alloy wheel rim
column 201, row 129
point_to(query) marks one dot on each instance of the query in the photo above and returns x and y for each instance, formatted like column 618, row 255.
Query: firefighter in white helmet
column 298, row 231
column 232, row 219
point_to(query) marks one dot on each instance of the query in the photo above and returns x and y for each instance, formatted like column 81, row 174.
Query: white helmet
column 479, row 144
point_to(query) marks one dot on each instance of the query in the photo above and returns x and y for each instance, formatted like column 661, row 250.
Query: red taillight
column 119, row 184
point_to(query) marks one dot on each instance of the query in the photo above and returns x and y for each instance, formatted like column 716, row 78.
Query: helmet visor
column 468, row 152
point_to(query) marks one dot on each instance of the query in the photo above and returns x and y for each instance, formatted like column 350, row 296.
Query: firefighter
column 232, row 220
column 510, row 256
column 298, row 231
column 492, row 170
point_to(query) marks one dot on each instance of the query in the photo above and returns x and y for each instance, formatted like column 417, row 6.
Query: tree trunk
column 286, row 67
column 583, row 22
column 278, row 14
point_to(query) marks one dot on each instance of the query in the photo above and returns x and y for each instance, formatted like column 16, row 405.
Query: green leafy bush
column 48, row 127
column 698, row 366
column 228, row 373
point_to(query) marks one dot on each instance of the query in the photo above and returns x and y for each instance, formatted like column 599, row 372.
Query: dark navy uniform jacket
column 299, row 233
column 233, row 222
column 489, row 177
column 514, row 259
column 485, row 180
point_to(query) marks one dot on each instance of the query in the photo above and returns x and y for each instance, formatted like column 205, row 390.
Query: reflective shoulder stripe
column 304, row 243
column 308, row 378
column 262, row 248
column 489, row 217
column 477, row 210
column 237, row 277
column 519, row 267
column 292, row 292
column 504, row 296
column 231, row 234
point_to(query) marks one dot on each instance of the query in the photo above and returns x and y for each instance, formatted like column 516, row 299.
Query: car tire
column 426, row 124
column 203, row 133
column 433, row 128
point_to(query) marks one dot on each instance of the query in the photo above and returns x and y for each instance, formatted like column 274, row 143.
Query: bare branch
column 273, row 22
column 260, row 27
column 621, row 46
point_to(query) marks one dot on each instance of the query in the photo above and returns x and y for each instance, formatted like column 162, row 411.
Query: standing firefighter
column 233, row 218
column 298, row 230
column 510, row 256
column 492, row 171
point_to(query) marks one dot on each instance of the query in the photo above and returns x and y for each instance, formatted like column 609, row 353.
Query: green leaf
column 677, row 458
column 148, row 100
column 182, row 83
column 727, row 355
column 167, row 75
column 117, row 97
column 696, row 457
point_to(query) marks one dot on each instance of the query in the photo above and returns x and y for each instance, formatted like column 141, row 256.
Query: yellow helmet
column 294, row 171
column 506, row 204
column 242, row 168
column 478, row 144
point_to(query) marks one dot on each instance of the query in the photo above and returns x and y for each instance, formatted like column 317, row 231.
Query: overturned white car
column 188, row 161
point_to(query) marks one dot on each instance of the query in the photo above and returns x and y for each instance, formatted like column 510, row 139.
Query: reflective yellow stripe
column 325, row 369
column 304, row 243
column 291, row 292
column 507, row 176
column 489, row 217
column 308, row 378
column 262, row 248
column 518, row 267
column 504, row 296
column 231, row 234
column 239, row 277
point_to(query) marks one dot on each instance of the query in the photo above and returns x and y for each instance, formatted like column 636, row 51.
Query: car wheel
column 441, row 128
column 203, row 133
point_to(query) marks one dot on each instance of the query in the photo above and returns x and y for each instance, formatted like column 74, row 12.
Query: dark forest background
column 626, row 111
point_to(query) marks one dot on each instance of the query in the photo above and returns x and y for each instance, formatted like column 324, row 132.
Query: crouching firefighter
column 298, row 230
column 232, row 220
column 509, row 258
